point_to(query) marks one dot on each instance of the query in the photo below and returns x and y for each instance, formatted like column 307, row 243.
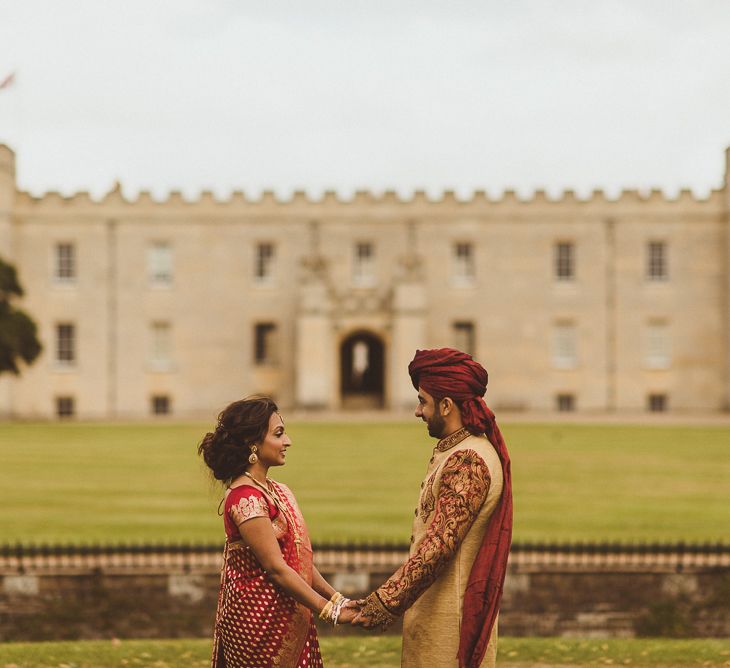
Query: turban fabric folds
column 445, row 372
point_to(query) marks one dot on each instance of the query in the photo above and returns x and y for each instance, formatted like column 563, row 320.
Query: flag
column 7, row 81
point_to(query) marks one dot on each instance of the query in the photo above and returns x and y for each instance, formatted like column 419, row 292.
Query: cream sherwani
column 462, row 487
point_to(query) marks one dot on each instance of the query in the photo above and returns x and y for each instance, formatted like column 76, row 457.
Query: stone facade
column 173, row 306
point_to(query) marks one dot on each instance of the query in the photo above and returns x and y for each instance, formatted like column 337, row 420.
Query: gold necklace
column 260, row 484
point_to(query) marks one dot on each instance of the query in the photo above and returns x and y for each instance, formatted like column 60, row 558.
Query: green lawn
column 90, row 482
column 373, row 652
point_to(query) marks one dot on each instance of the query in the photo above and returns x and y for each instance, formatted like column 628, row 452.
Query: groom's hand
column 363, row 618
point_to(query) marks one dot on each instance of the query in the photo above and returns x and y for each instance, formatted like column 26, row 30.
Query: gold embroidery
column 379, row 615
column 428, row 502
column 452, row 439
column 464, row 485
column 289, row 508
column 249, row 507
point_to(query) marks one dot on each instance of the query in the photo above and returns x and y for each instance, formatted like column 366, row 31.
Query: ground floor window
column 160, row 404
column 657, row 403
column 65, row 407
column 565, row 403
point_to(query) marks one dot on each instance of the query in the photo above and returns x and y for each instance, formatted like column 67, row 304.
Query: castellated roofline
column 268, row 200
column 479, row 199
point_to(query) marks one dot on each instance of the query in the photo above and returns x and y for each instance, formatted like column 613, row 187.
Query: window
column 65, row 407
column 265, row 343
column 565, row 403
column 65, row 263
column 656, row 261
column 363, row 269
column 564, row 346
column 463, row 263
column 464, row 337
column 657, row 403
column 66, row 343
column 160, row 404
column 264, row 269
column 159, row 263
column 657, row 353
column 564, row 261
column 160, row 343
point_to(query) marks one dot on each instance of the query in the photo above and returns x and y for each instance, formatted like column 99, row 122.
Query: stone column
column 7, row 203
column 408, row 334
column 726, row 305
column 315, row 354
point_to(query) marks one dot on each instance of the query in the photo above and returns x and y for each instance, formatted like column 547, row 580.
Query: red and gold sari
column 257, row 625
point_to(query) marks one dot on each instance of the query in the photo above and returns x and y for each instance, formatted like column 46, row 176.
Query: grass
column 373, row 652
column 122, row 483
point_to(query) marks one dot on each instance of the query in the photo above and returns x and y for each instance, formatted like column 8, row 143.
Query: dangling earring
column 253, row 458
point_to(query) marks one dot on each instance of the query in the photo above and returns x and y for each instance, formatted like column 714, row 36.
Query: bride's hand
column 347, row 614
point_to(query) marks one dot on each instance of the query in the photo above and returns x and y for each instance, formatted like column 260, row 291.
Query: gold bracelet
column 336, row 598
column 326, row 612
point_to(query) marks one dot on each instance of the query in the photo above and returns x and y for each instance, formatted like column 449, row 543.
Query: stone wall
column 536, row 603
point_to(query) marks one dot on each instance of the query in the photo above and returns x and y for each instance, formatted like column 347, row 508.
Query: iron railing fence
column 35, row 558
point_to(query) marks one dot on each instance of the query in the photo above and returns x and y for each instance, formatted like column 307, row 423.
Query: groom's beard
column 436, row 425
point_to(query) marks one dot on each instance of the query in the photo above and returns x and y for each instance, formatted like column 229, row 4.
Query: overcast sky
column 345, row 95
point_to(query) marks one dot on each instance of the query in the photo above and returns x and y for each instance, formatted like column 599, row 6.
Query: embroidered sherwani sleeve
column 464, row 485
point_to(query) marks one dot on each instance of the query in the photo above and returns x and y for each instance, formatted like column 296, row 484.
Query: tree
column 18, row 332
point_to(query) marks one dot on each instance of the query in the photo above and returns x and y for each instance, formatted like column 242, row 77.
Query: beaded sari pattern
column 257, row 624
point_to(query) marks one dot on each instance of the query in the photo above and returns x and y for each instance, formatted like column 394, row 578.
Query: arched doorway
column 362, row 371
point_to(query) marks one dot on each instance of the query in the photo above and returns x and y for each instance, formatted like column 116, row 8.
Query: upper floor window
column 160, row 343
column 657, row 351
column 66, row 343
column 363, row 267
column 159, row 263
column 64, row 270
column 464, row 336
column 463, row 263
column 564, row 261
column 265, row 343
column 264, row 262
column 565, row 353
column 657, row 268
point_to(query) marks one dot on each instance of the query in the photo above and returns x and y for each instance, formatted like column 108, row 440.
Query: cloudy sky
column 315, row 94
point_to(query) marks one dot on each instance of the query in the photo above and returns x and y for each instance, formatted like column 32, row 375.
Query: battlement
column 420, row 200
column 479, row 199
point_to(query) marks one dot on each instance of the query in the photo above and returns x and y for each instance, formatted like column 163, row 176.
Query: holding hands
column 339, row 610
column 372, row 613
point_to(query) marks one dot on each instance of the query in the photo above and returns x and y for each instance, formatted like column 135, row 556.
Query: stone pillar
column 408, row 334
column 726, row 314
column 7, row 203
column 315, row 354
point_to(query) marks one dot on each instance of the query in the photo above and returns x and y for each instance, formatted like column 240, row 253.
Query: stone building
column 148, row 307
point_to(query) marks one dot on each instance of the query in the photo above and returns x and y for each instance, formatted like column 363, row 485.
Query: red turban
column 445, row 372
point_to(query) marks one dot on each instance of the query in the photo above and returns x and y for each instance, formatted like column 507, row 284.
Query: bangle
column 336, row 598
column 338, row 609
column 326, row 613
column 336, row 614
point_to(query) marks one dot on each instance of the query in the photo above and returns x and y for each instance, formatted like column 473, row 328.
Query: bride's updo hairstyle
column 240, row 425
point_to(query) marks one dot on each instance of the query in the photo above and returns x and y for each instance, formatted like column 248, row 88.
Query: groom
column 451, row 585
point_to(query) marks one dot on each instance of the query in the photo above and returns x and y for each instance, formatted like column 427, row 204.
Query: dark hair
column 240, row 425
